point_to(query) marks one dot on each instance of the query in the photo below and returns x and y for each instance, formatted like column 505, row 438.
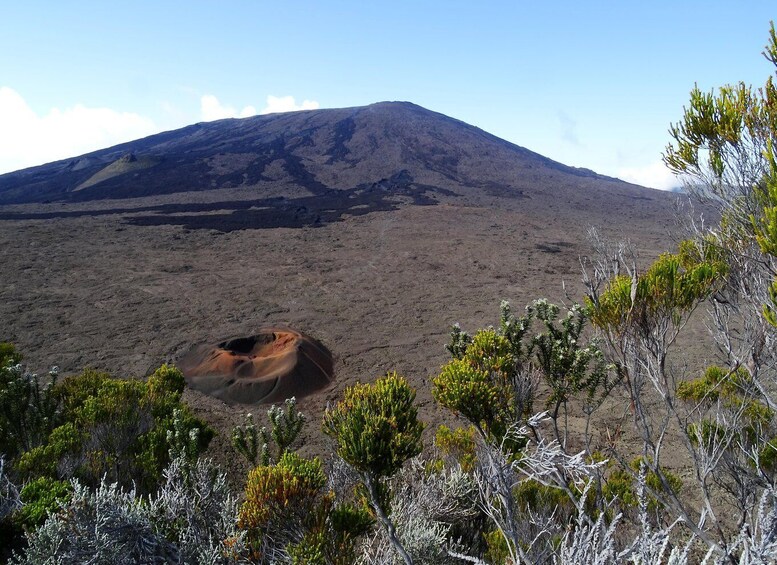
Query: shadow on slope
column 327, row 206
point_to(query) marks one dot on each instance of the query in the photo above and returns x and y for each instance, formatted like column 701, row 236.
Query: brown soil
column 379, row 290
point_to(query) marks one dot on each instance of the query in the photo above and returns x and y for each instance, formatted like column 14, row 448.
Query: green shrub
column 483, row 397
column 332, row 534
column 41, row 497
column 64, row 442
column 9, row 355
column 497, row 551
column 280, row 501
column 620, row 486
column 376, row 426
column 458, row 443
column 118, row 429
column 74, row 391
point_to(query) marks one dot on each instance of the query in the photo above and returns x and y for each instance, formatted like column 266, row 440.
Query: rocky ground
column 380, row 290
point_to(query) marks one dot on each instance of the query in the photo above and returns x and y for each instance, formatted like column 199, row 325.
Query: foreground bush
column 280, row 502
column 115, row 429
column 376, row 428
column 191, row 519
column 28, row 407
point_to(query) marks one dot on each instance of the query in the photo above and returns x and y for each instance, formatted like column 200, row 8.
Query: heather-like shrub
column 458, row 444
column 492, row 378
column 28, row 408
column 191, row 520
column 376, row 428
column 40, row 497
column 480, row 395
column 280, row 501
column 196, row 509
column 332, row 535
column 435, row 513
column 106, row 526
column 121, row 430
column 621, row 487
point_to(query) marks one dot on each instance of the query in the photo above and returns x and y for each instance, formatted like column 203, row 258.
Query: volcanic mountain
column 313, row 167
column 370, row 229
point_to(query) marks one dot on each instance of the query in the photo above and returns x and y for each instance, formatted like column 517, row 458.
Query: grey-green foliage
column 9, row 493
column 514, row 328
column 107, row 526
column 28, row 409
column 191, row 520
column 183, row 441
column 426, row 507
column 255, row 444
column 196, row 509
column 459, row 342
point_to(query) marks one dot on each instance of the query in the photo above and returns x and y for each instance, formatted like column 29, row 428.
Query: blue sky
column 590, row 84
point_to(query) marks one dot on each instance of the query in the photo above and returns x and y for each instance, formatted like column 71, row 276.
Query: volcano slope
column 371, row 229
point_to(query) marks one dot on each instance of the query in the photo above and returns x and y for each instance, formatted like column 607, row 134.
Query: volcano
column 308, row 169
column 371, row 230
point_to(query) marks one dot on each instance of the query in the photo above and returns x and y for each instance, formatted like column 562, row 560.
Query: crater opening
column 268, row 367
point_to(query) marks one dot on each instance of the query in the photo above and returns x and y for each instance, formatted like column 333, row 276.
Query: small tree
column 376, row 428
column 568, row 366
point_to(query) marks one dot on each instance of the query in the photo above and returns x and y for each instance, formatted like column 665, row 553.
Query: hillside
column 371, row 229
column 308, row 168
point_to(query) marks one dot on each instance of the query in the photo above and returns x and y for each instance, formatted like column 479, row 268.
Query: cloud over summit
column 212, row 109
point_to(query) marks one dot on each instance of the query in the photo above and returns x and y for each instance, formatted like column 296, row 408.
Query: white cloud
column 28, row 138
column 211, row 109
column 277, row 104
column 653, row 175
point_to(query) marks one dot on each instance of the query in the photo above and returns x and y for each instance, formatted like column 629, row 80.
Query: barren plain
column 127, row 283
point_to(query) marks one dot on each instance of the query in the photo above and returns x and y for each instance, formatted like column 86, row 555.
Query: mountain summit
column 310, row 168
column 388, row 144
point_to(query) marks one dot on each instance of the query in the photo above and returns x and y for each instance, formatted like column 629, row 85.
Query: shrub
column 28, row 409
column 280, row 502
column 191, row 519
column 41, row 497
column 376, row 428
column 255, row 444
column 105, row 526
column 458, row 443
column 117, row 429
